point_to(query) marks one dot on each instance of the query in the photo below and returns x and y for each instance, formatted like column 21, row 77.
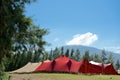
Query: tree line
column 20, row 59
column 78, row 56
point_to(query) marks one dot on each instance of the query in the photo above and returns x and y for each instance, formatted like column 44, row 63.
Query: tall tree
column 72, row 54
column 96, row 58
column 18, row 34
column 110, row 58
column 62, row 50
column 103, row 56
column 51, row 55
column 67, row 53
column 45, row 56
column 77, row 55
column 12, row 22
column 91, row 57
column 117, row 65
column 56, row 53
column 86, row 55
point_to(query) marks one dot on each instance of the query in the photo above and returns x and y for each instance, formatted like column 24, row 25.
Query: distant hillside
column 91, row 50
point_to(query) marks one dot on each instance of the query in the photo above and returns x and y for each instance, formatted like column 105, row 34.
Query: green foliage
column 56, row 53
column 110, row 58
column 62, row 50
column 117, row 65
column 72, row 54
column 77, row 55
column 12, row 22
column 67, row 53
column 51, row 55
column 20, row 40
column 3, row 75
column 86, row 55
column 45, row 56
column 103, row 56
column 96, row 58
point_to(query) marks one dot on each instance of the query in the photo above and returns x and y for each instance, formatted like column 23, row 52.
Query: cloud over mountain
column 83, row 39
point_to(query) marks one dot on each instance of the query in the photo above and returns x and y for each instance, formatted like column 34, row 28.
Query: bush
column 3, row 75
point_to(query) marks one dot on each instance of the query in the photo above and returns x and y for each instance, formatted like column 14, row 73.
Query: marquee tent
column 109, row 69
column 65, row 64
column 106, row 68
column 86, row 67
column 61, row 64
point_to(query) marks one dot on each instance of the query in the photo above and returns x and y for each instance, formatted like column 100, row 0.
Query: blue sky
column 93, row 23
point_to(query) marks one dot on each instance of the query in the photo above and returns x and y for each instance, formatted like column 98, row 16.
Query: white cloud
column 83, row 39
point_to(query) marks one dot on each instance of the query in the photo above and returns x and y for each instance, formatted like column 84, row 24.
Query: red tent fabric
column 109, row 69
column 45, row 66
column 106, row 69
column 74, row 66
column 86, row 67
column 65, row 64
column 62, row 64
column 84, row 64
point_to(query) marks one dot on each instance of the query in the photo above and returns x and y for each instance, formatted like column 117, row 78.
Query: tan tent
column 29, row 67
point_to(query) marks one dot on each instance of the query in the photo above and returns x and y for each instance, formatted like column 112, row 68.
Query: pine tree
column 91, row 57
column 13, row 22
column 56, row 53
column 110, row 58
column 72, row 54
column 51, row 55
column 77, row 55
column 96, row 58
column 29, row 56
column 62, row 50
column 103, row 56
column 67, row 53
column 117, row 65
column 18, row 34
column 45, row 56
column 86, row 55
column 36, row 56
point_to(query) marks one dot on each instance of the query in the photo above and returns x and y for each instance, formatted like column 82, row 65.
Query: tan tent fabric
column 118, row 71
column 29, row 67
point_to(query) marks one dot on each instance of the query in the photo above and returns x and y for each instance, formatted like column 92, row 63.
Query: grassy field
column 62, row 76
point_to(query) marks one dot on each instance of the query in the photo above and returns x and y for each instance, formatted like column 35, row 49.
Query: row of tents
column 65, row 64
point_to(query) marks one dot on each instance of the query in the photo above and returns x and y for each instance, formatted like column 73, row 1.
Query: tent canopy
column 65, row 64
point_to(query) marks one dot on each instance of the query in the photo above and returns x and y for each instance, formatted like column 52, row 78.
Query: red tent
column 45, row 66
column 106, row 68
column 65, row 64
column 62, row 64
column 74, row 66
column 109, row 69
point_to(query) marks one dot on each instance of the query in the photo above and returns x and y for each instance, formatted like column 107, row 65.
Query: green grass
column 62, row 76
